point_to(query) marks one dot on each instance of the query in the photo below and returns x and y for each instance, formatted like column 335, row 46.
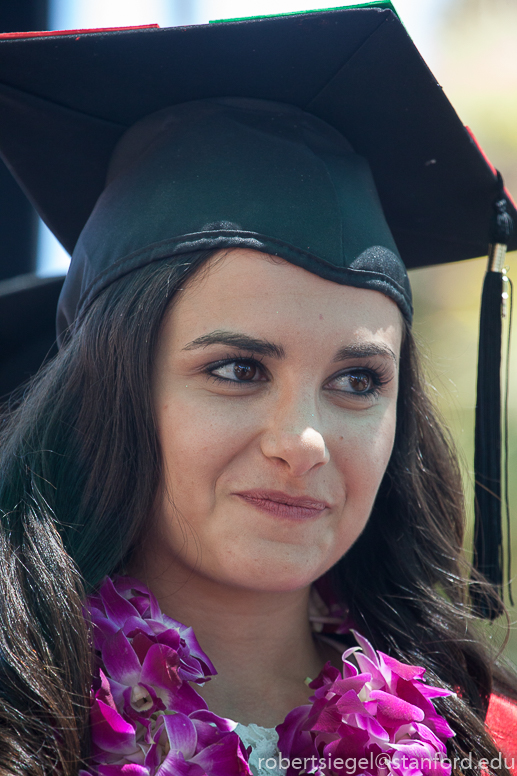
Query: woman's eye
column 238, row 371
column 355, row 382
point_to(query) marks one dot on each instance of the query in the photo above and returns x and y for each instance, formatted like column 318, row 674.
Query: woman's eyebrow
column 236, row 340
column 365, row 350
column 265, row 348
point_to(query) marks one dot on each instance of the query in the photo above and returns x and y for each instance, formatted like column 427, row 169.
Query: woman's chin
column 273, row 575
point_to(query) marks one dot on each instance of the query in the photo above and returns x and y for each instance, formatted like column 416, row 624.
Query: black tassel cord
column 507, row 312
column 488, row 557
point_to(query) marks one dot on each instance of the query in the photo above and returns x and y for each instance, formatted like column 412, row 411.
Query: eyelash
column 379, row 376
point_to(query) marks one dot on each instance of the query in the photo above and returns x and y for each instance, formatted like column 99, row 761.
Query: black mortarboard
column 278, row 130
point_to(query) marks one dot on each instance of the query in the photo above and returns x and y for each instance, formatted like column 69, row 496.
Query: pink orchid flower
column 374, row 718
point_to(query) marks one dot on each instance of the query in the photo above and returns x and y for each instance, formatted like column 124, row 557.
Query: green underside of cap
column 385, row 4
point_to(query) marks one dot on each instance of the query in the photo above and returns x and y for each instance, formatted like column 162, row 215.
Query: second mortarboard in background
column 67, row 99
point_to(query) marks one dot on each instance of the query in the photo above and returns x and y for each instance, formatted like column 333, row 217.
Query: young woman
column 237, row 422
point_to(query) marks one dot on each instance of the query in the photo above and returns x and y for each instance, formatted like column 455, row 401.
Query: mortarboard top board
column 66, row 99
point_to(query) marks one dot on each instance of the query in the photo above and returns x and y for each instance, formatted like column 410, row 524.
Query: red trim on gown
column 501, row 723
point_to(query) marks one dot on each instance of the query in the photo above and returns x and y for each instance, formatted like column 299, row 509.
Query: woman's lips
column 283, row 505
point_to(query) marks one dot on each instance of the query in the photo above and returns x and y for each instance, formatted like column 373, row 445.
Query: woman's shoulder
column 501, row 722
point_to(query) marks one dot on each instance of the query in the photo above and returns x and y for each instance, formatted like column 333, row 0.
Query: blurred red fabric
column 501, row 722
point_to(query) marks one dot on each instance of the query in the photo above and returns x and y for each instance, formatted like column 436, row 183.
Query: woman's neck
column 261, row 644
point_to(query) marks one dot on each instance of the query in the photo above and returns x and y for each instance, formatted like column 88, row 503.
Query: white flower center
column 140, row 698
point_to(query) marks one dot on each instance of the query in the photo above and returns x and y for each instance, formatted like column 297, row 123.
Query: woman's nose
column 294, row 442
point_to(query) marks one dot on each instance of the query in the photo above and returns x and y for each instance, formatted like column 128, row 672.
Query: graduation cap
column 320, row 137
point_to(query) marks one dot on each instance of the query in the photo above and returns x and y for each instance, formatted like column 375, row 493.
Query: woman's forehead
column 243, row 290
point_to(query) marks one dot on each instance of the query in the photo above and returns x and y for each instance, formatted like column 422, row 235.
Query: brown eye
column 244, row 371
column 360, row 382
column 238, row 372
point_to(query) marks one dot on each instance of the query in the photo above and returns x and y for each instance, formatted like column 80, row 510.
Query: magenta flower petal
column 191, row 642
column 356, row 683
column 125, row 586
column 175, row 765
column 349, row 703
column 102, row 628
column 192, row 670
column 140, row 602
column 413, row 750
column 428, row 691
column 367, row 665
column 440, row 726
column 329, row 720
column 403, row 670
column 171, row 638
column 294, row 737
column 153, row 757
column 350, row 743
column 223, row 758
column 327, row 676
column 160, row 670
column 134, row 625
column 121, row 660
column 121, row 693
column 207, row 734
column 141, row 643
column 367, row 648
column 104, row 693
column 393, row 711
column 99, row 619
column 349, row 670
column 412, row 693
column 110, row 731
column 181, row 733
column 222, row 724
column 350, row 651
column 187, row 700
column 426, row 734
column 118, row 609
column 373, row 727
column 418, row 694
column 128, row 769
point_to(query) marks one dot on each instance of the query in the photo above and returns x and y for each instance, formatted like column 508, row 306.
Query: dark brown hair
column 71, row 512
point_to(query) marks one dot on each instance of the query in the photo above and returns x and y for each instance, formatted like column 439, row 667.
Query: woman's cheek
column 364, row 451
column 200, row 438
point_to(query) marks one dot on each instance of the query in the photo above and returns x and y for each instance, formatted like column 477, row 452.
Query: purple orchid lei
column 146, row 718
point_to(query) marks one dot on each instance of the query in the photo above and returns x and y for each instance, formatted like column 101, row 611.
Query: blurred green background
column 476, row 63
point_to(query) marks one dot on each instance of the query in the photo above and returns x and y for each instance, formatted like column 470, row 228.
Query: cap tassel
column 488, row 558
